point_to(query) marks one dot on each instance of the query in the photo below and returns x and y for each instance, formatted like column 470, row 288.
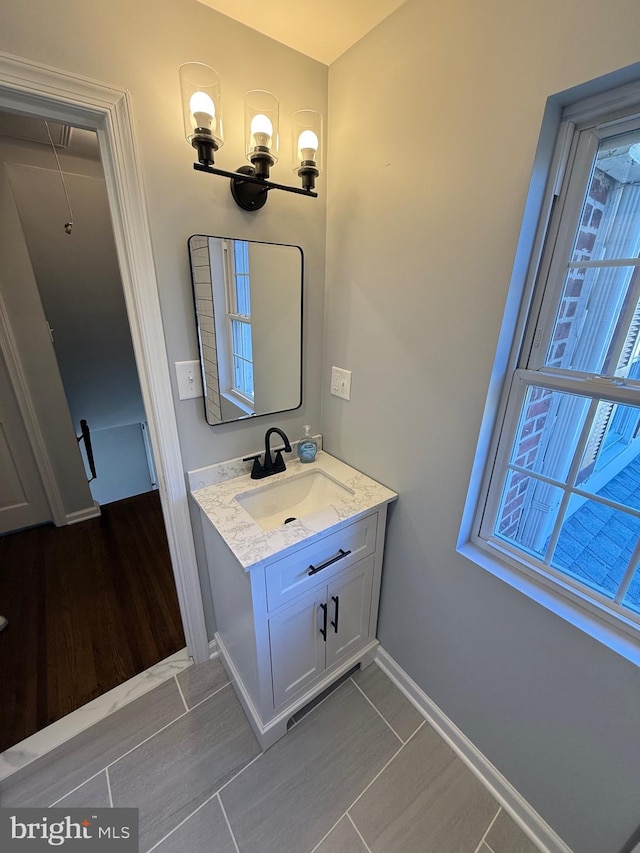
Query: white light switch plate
column 341, row 383
column 189, row 379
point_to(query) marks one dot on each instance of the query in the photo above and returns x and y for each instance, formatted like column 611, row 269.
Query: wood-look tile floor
column 362, row 772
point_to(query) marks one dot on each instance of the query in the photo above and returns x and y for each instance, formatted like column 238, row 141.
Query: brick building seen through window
column 592, row 534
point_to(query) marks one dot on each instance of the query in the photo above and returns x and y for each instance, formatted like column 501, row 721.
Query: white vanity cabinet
column 319, row 630
column 290, row 625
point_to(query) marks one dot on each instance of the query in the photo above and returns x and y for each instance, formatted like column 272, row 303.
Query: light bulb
column 308, row 145
column 262, row 130
column 203, row 110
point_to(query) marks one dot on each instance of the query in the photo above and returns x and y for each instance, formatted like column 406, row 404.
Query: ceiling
column 330, row 28
column 30, row 129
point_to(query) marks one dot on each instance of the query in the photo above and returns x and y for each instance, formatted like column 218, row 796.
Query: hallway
column 89, row 606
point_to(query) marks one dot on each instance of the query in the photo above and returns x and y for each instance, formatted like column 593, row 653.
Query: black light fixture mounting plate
column 246, row 194
column 249, row 191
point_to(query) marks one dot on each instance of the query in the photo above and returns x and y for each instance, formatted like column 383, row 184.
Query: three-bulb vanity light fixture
column 250, row 185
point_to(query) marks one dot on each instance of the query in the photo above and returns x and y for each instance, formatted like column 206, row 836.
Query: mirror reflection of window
column 248, row 301
column 238, row 293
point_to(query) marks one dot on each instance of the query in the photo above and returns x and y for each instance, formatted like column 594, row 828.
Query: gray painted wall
column 275, row 304
column 420, row 245
column 421, row 240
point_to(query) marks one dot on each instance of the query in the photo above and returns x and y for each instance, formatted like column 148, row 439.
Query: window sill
column 608, row 631
column 238, row 401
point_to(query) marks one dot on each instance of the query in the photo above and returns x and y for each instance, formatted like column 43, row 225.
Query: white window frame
column 548, row 212
column 235, row 317
column 225, row 299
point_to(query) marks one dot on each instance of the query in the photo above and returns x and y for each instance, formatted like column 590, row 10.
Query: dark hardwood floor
column 89, row 606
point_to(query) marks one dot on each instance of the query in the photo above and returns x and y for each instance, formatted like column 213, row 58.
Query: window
column 239, row 319
column 561, row 496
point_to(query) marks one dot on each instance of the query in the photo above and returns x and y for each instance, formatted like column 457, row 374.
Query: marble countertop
column 215, row 493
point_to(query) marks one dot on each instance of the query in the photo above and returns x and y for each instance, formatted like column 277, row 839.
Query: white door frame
column 27, row 87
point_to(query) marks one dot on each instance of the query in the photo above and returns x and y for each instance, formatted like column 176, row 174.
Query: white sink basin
column 286, row 500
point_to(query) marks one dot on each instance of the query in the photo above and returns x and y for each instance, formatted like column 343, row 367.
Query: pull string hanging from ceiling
column 69, row 224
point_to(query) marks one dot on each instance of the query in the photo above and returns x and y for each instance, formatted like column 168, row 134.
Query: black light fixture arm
column 249, row 190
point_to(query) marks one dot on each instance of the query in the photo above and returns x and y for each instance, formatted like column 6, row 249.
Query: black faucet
column 270, row 465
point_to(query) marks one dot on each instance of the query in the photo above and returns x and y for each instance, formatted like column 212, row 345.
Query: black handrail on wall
column 85, row 435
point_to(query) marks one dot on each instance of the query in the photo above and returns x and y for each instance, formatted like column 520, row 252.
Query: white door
column 23, row 502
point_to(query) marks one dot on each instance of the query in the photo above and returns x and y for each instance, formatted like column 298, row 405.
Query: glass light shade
column 201, row 110
column 262, row 125
column 307, row 140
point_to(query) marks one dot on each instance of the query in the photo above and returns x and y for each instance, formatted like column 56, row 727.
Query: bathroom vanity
column 295, row 565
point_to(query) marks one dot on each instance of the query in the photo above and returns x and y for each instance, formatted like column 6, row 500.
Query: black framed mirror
column 248, row 303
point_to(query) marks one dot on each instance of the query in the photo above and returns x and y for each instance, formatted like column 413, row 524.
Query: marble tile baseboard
column 44, row 741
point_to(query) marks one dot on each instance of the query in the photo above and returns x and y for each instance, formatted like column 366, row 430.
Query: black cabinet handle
column 323, row 630
column 314, row 569
column 336, row 600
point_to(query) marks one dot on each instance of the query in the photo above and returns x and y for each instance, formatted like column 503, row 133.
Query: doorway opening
column 27, row 89
column 92, row 605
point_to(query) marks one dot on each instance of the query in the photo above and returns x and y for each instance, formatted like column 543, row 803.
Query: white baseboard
column 531, row 823
column 513, row 802
column 92, row 511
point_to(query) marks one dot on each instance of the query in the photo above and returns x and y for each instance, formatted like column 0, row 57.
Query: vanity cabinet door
column 319, row 630
column 349, row 602
column 297, row 645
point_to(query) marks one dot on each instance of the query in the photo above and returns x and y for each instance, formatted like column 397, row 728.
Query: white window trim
column 222, row 296
column 556, row 593
column 236, row 395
